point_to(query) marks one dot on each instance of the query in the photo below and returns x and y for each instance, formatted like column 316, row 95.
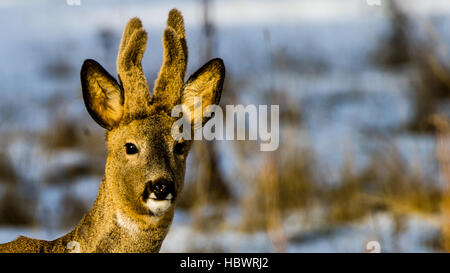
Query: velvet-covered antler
column 129, row 68
column 170, row 81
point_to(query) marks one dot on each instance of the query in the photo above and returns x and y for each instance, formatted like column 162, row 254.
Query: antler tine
column 129, row 68
column 175, row 21
column 131, row 26
column 168, row 86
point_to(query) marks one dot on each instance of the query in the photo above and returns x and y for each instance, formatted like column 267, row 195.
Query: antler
column 129, row 68
column 170, row 81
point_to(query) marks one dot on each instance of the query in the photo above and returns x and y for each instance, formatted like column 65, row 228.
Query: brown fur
column 119, row 221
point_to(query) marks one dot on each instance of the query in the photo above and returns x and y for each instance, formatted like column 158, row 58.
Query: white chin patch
column 158, row 207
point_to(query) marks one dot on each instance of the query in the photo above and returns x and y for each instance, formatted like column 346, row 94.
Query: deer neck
column 108, row 228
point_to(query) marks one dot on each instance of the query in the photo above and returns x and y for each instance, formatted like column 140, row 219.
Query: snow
column 347, row 238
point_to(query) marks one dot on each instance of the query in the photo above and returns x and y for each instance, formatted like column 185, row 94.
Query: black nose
column 160, row 189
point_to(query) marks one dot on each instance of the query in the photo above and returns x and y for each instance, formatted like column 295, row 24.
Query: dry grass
column 16, row 209
column 394, row 50
column 403, row 47
column 74, row 209
column 65, row 133
column 345, row 201
column 285, row 182
column 17, row 203
column 387, row 184
column 207, row 194
column 8, row 175
column 271, row 188
column 443, row 155
column 291, row 183
column 431, row 89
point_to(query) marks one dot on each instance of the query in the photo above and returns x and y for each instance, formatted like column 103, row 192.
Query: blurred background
column 363, row 88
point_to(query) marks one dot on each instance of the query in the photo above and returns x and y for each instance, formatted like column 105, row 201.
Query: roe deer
column 145, row 167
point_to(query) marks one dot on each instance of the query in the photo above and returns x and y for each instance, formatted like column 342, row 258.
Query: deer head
column 145, row 167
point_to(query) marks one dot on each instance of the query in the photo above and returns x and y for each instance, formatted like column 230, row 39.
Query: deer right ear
column 206, row 84
column 102, row 95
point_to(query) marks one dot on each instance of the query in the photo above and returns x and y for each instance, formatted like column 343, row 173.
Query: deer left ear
column 207, row 84
column 102, row 95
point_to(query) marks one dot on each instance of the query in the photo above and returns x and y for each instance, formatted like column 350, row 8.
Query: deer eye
column 179, row 148
column 131, row 148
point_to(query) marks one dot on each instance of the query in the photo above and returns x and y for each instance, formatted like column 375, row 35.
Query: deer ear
column 102, row 95
column 207, row 84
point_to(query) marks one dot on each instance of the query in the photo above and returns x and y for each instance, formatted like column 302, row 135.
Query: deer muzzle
column 159, row 195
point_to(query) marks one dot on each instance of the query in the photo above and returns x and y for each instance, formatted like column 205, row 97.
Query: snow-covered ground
column 417, row 237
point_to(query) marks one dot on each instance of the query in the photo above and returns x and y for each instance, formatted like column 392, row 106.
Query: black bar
column 237, row 262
